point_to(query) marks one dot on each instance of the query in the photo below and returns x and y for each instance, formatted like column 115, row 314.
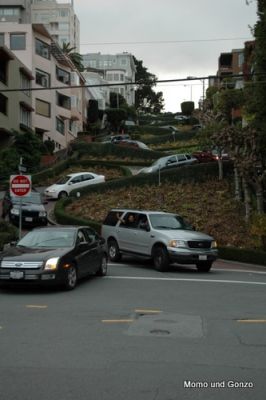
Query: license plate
column 202, row 257
column 28, row 219
column 16, row 274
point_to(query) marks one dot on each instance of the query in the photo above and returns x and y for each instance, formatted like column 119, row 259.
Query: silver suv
column 175, row 160
column 162, row 236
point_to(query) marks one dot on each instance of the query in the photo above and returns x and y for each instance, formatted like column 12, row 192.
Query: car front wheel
column 62, row 195
column 113, row 250
column 204, row 266
column 71, row 278
column 102, row 271
column 160, row 258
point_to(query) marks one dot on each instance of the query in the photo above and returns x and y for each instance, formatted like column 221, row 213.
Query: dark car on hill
column 33, row 212
column 54, row 255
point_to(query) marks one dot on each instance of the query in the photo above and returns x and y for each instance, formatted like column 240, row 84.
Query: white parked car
column 172, row 161
column 65, row 185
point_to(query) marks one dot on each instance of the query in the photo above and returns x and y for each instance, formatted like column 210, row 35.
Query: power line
column 136, row 83
column 164, row 41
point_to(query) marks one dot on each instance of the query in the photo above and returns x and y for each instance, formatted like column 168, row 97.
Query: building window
column 42, row 49
column 109, row 77
column 25, row 84
column 17, row 41
column 3, row 71
column 122, row 78
column 92, row 63
column 9, row 12
column 64, row 12
column 63, row 26
column 42, row 78
column 116, row 77
column 25, row 117
column 2, row 39
column 241, row 59
column 62, row 75
column 43, row 108
column 63, row 101
column 3, row 104
column 60, row 126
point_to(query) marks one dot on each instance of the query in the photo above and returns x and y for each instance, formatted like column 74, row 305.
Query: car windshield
column 63, row 180
column 48, row 238
column 157, row 162
column 168, row 221
column 33, row 198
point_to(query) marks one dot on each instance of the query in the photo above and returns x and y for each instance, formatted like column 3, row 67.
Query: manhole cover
column 160, row 332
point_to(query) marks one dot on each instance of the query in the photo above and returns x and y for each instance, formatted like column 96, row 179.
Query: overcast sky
column 173, row 38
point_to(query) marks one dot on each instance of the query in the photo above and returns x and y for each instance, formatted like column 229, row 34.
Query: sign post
column 20, row 186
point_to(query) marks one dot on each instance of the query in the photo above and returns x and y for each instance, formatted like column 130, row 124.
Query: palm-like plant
column 74, row 56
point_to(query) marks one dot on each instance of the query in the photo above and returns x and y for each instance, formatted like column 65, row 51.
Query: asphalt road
column 138, row 334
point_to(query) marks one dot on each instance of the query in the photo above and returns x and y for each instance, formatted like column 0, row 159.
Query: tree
column 93, row 111
column 75, row 57
column 117, row 100
column 146, row 99
column 187, row 107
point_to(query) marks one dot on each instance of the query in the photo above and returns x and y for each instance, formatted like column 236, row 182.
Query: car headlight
column 42, row 214
column 177, row 243
column 14, row 211
column 50, row 190
column 51, row 264
column 214, row 245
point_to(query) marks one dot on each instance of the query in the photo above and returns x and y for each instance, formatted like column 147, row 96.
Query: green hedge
column 169, row 137
column 102, row 150
column 190, row 173
column 248, row 256
column 8, row 233
column 58, row 169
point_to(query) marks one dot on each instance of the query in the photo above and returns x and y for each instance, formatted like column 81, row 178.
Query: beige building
column 15, row 107
column 58, row 109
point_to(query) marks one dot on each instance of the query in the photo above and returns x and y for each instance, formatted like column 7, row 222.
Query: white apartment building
column 60, row 20
column 57, row 114
column 97, row 92
column 119, row 69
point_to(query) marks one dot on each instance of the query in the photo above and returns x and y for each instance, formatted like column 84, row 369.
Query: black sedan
column 60, row 255
column 32, row 209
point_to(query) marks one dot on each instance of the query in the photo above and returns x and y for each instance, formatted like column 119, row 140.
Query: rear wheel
column 71, row 278
column 113, row 250
column 62, row 195
column 102, row 271
column 160, row 258
column 204, row 266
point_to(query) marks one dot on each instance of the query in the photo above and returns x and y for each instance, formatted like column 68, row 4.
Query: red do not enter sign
column 20, row 185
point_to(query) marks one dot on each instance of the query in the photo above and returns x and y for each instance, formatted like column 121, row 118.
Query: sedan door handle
column 152, row 236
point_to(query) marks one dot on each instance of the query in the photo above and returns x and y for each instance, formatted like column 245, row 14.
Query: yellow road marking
column 114, row 321
column 252, row 321
column 148, row 311
column 35, row 306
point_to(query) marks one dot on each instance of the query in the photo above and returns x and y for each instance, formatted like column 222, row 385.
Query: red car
column 209, row 156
